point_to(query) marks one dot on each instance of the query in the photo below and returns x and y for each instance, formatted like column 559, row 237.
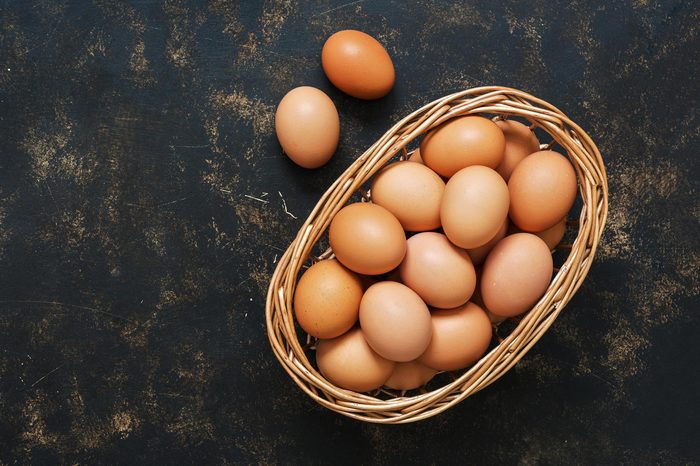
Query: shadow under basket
column 292, row 348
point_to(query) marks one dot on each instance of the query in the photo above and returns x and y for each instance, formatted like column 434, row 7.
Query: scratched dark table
column 134, row 259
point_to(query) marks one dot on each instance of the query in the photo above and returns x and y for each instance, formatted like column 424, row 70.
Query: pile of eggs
column 456, row 237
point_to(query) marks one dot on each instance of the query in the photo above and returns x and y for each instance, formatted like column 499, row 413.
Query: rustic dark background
column 133, row 266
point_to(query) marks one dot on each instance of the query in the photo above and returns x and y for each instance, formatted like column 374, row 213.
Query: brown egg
column 516, row 274
column 409, row 375
column 474, row 206
column 307, row 126
column 350, row 363
column 542, row 190
column 327, row 299
column 358, row 65
column 520, row 142
column 415, row 156
column 412, row 192
column 552, row 236
column 478, row 255
column 441, row 273
column 460, row 337
column 367, row 238
column 463, row 142
column 395, row 321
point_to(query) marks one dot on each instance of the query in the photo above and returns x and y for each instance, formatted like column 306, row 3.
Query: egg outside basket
column 380, row 407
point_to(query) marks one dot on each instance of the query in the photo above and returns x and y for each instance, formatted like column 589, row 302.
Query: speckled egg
column 327, row 299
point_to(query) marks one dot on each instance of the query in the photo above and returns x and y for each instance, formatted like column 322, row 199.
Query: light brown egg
column 327, row 299
column 409, row 375
column 462, row 142
column 358, row 65
column 478, row 255
column 367, row 238
column 516, row 274
column 474, row 206
column 441, row 273
column 415, row 156
column 551, row 236
column 307, row 126
column 460, row 337
column 395, row 321
column 542, row 190
column 350, row 363
column 412, row 192
column 520, row 142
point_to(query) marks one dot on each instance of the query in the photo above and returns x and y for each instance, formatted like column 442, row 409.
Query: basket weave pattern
column 491, row 100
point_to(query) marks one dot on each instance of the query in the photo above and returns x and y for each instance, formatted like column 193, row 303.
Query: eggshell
column 520, row 142
column 367, row 238
column 474, row 206
column 478, row 255
column 307, row 126
column 395, row 321
column 409, row 376
column 462, row 142
column 516, row 274
column 358, row 65
column 460, row 337
column 350, row 363
column 542, row 190
column 327, row 299
column 412, row 192
column 441, row 273
column 551, row 236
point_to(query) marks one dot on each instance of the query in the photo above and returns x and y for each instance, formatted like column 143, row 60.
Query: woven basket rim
column 493, row 100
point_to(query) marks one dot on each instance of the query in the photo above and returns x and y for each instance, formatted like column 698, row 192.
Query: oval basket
column 378, row 408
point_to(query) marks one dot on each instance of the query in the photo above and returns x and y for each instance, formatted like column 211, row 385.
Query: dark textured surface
column 133, row 267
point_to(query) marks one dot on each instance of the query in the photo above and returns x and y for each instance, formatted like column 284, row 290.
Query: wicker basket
column 381, row 407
